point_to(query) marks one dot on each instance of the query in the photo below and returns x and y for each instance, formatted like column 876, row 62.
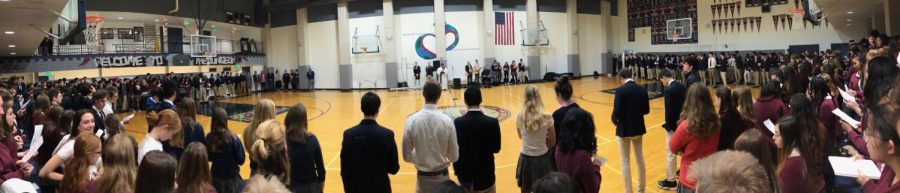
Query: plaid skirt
column 532, row 168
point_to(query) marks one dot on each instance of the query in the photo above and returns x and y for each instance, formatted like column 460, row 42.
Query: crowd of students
column 724, row 138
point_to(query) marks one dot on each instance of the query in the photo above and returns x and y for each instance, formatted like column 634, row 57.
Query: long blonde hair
column 270, row 152
column 533, row 115
column 263, row 111
column 119, row 166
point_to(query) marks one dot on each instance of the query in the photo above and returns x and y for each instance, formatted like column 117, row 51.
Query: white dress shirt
column 429, row 140
column 712, row 62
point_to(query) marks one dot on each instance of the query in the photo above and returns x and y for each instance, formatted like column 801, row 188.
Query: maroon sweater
column 884, row 184
column 577, row 164
column 829, row 121
column 771, row 108
column 8, row 158
column 792, row 180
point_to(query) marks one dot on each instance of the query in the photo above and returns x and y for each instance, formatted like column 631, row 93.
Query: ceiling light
column 12, row 46
column 12, row 53
column 156, row 20
column 849, row 20
column 5, row 0
column 9, row 32
column 849, row 12
column 120, row 18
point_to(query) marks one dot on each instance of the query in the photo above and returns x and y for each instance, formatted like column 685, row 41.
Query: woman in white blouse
column 535, row 128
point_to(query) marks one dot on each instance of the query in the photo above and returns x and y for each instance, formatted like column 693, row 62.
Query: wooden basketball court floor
column 332, row 112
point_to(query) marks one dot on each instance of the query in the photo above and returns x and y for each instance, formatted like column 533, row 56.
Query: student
column 431, row 158
column 167, row 125
column 563, row 89
column 260, row 184
column 881, row 141
column 630, row 106
column 193, row 170
column 113, row 126
column 731, row 121
column 54, row 130
column 365, row 144
column 263, row 111
column 66, row 148
column 799, row 168
column 10, row 166
column 555, row 182
column 78, row 177
column 691, row 76
column 729, row 171
column 673, row 103
column 535, row 129
column 119, row 166
column 754, row 142
column 575, row 153
column 156, row 174
column 191, row 132
column 99, row 99
column 270, row 150
column 226, row 154
column 697, row 134
column 478, row 137
column 769, row 106
column 824, row 103
column 305, row 153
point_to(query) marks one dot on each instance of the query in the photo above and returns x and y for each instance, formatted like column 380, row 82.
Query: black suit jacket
column 478, row 137
column 631, row 104
column 692, row 77
column 368, row 155
column 674, row 101
column 98, row 120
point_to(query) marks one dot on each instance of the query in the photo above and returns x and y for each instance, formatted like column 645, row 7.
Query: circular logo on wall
column 491, row 111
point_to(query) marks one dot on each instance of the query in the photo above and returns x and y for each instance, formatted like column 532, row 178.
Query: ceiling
column 24, row 18
column 851, row 13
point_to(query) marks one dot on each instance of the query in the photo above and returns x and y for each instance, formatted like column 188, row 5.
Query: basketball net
column 365, row 49
column 675, row 36
column 537, row 41
column 92, row 32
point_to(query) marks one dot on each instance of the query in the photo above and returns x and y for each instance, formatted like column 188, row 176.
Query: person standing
column 630, row 128
column 712, row 69
column 535, row 129
column 576, row 154
column 478, row 139
column 506, row 73
column 286, row 78
column 421, row 136
column 522, row 76
column 674, row 101
column 514, row 72
column 365, row 144
column 417, row 73
column 697, row 134
column 311, row 77
column 468, row 73
column 304, row 152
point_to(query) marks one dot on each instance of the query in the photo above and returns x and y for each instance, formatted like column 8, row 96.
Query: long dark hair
column 219, row 136
column 699, row 112
column 577, row 132
column 796, row 133
column 752, row 141
column 193, row 171
column 76, row 121
column 296, row 125
column 563, row 88
column 818, row 90
column 882, row 72
column 725, row 102
column 156, row 173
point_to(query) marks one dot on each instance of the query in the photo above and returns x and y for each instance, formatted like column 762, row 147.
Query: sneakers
column 667, row 185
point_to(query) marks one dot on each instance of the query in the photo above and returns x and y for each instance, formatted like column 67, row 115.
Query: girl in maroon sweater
column 799, row 156
column 697, row 134
column 576, row 148
column 882, row 140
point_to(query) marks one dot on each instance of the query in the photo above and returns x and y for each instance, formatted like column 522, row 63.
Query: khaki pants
column 724, row 76
column 713, row 76
column 703, row 78
column 671, row 166
column 625, row 145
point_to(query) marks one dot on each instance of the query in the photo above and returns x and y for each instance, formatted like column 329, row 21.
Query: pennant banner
column 775, row 21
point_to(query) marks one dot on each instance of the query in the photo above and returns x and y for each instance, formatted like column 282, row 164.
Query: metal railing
column 114, row 46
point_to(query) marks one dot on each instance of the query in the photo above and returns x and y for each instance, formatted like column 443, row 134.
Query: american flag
column 504, row 32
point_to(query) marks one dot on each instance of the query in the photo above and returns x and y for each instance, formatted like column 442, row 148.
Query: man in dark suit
column 168, row 96
column 674, row 100
column 629, row 108
column 691, row 74
column 99, row 99
column 368, row 152
column 478, row 137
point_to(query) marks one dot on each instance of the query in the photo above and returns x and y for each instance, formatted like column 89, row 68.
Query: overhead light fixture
column 849, row 12
column 120, row 18
column 4, row 0
column 156, row 20
column 12, row 46
column 12, row 53
column 849, row 20
column 9, row 32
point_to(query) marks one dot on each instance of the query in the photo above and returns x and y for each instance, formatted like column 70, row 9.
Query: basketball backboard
column 203, row 46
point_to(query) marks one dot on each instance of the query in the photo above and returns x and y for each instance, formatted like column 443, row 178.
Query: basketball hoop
column 92, row 31
column 676, row 36
column 365, row 49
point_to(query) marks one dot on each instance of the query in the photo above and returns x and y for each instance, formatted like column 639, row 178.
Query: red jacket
column 691, row 149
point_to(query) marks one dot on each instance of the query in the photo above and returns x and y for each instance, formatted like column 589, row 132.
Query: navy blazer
column 674, row 101
column 629, row 108
column 478, row 137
